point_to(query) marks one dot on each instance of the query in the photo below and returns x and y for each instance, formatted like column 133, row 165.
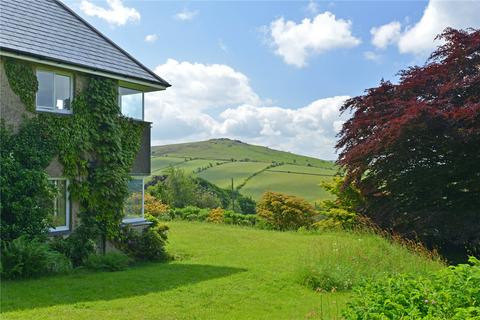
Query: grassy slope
column 302, row 185
column 239, row 171
column 230, row 149
column 232, row 273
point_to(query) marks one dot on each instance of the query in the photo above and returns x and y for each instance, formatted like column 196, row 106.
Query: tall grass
column 341, row 260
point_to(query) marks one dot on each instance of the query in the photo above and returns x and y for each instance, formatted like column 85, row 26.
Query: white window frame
column 142, row 218
column 66, row 227
column 53, row 108
column 120, row 102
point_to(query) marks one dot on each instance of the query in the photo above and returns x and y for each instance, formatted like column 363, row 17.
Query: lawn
column 220, row 272
column 239, row 171
column 306, row 186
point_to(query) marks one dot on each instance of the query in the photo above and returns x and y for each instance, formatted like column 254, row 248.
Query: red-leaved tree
column 413, row 148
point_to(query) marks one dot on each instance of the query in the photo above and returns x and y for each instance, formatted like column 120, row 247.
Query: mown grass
column 221, row 272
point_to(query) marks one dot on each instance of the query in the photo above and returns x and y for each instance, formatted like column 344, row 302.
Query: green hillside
column 226, row 149
column 253, row 169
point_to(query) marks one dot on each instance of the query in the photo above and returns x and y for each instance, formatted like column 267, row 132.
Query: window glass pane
column 60, row 204
column 62, row 92
column 45, row 90
column 134, row 203
column 131, row 103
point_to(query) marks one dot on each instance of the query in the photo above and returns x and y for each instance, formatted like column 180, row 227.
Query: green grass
column 239, row 171
column 223, row 272
column 232, row 149
column 302, row 185
column 291, row 168
column 160, row 163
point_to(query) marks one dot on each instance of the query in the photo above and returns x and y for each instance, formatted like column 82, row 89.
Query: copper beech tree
column 413, row 148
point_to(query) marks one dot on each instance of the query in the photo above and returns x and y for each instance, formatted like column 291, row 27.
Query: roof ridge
column 65, row 7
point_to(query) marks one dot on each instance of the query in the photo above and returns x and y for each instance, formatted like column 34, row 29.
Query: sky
column 273, row 73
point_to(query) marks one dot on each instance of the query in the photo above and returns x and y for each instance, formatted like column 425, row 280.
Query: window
column 134, row 204
column 131, row 102
column 54, row 92
column 61, row 205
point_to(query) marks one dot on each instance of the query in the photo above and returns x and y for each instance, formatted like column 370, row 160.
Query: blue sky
column 270, row 73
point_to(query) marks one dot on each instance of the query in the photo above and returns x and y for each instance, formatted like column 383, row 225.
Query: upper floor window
column 131, row 102
column 55, row 92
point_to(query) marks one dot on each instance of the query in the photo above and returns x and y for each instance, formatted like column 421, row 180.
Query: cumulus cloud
column 295, row 42
column 419, row 38
column 185, row 15
column 387, row 34
column 116, row 14
column 438, row 15
column 212, row 101
column 151, row 38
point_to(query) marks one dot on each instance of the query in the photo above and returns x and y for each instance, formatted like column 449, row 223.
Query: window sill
column 58, row 231
column 59, row 112
column 136, row 222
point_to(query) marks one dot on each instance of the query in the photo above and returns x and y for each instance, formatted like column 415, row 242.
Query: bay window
column 131, row 102
column 134, row 207
column 55, row 92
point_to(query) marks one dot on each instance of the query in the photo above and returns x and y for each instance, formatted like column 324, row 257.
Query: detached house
column 65, row 50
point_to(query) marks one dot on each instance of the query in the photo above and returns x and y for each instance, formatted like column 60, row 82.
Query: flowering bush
column 155, row 207
column 216, row 215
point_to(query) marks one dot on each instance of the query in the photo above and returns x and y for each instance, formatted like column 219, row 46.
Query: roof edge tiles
column 160, row 80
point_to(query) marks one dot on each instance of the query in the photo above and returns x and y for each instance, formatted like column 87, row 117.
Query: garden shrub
column 148, row 245
column 451, row 293
column 112, row 261
column 155, row 207
column 283, row 212
column 24, row 257
column 216, row 215
column 342, row 212
column 231, row 217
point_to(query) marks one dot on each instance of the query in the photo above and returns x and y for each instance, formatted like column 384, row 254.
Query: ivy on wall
column 23, row 81
column 96, row 146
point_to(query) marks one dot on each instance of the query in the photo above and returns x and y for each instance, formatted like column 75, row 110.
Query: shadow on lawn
column 84, row 287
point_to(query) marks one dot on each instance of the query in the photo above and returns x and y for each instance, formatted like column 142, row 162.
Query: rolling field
column 232, row 273
column 306, row 186
column 239, row 171
column 297, row 175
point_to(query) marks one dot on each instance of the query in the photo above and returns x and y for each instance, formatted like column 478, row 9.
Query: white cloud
column 438, row 15
column 151, row 38
column 116, row 14
column 372, row 56
column 185, row 15
column 212, row 101
column 385, row 35
column 419, row 38
column 296, row 42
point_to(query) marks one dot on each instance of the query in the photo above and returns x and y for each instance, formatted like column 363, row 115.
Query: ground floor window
column 61, row 205
column 134, row 204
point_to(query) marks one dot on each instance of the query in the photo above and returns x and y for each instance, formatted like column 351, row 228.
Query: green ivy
column 96, row 146
column 23, row 81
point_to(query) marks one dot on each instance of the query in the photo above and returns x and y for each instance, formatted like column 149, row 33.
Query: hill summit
column 227, row 149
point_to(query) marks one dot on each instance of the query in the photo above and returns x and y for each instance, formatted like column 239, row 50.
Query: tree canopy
column 413, row 148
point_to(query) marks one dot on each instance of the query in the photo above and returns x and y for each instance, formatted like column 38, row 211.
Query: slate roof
column 48, row 29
